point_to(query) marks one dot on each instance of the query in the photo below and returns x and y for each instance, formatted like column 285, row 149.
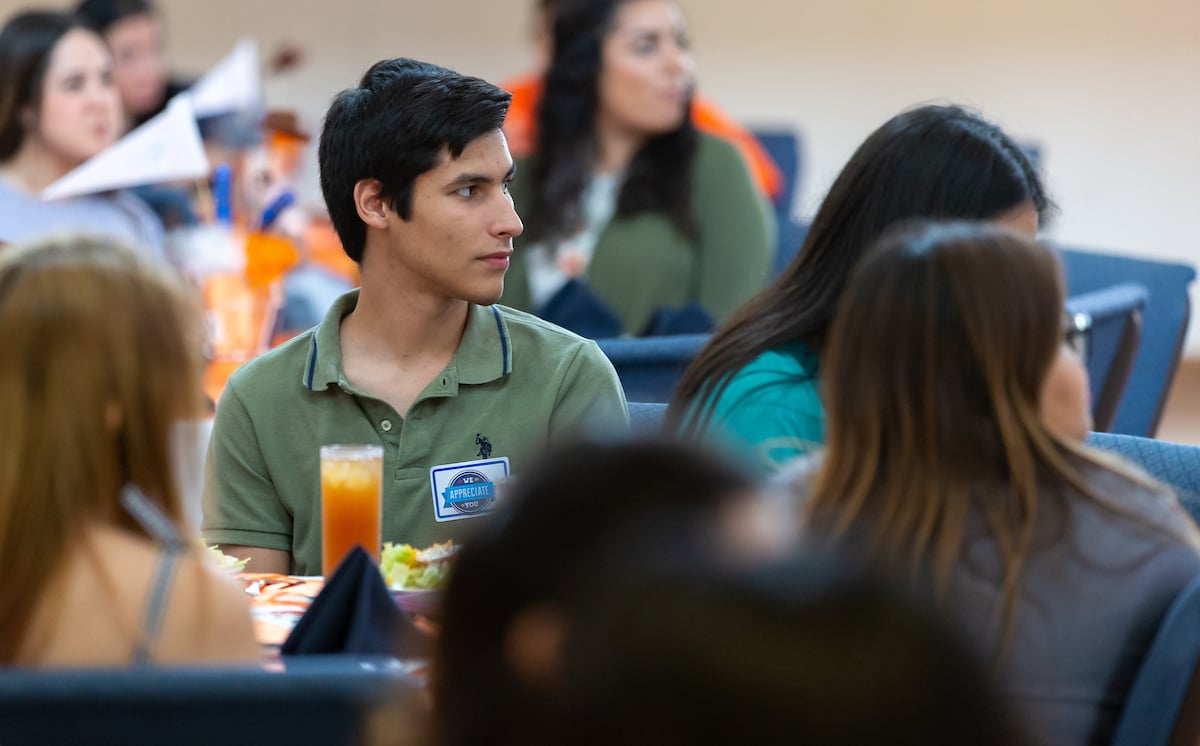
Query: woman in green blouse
column 624, row 197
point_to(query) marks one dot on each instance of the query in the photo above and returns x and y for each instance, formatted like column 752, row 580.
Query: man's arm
column 261, row 559
column 590, row 397
column 242, row 510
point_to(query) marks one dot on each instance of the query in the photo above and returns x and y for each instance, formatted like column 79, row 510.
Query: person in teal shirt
column 756, row 386
column 771, row 409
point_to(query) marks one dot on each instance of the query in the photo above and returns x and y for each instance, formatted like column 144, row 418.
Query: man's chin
column 487, row 297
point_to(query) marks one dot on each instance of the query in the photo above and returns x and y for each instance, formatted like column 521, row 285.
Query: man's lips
column 498, row 259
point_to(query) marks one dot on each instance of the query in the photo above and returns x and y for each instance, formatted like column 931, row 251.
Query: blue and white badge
column 467, row 489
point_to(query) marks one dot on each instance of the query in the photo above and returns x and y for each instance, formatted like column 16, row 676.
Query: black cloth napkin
column 353, row 613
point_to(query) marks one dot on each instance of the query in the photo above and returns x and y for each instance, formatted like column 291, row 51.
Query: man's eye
column 506, row 183
column 467, row 191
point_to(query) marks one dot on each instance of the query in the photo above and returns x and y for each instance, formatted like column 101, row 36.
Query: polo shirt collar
column 324, row 366
column 483, row 355
column 485, row 352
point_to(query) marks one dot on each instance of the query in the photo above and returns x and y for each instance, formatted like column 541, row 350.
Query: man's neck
column 403, row 326
column 33, row 168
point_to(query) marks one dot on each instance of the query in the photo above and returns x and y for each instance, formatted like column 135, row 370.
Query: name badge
column 466, row 489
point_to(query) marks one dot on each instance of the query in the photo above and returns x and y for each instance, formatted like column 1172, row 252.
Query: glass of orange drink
column 351, row 502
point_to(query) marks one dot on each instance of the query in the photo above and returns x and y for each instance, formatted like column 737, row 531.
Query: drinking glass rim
column 351, row 451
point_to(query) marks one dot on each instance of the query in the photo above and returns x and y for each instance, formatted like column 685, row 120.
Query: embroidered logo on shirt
column 485, row 446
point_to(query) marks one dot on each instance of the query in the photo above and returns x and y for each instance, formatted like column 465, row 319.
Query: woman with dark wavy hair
column 958, row 408
column 623, row 196
column 757, row 384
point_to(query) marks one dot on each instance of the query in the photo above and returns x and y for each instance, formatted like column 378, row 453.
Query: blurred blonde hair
column 101, row 355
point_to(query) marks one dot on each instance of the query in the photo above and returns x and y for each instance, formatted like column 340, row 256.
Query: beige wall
column 1110, row 89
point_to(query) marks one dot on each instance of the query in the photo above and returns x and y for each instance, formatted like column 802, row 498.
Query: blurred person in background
column 521, row 124
column 507, row 611
column 102, row 365
column 756, row 386
column 134, row 32
column 58, row 108
column 635, row 223
column 958, row 406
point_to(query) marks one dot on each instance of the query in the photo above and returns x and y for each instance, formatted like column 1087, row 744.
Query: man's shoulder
column 273, row 369
column 538, row 344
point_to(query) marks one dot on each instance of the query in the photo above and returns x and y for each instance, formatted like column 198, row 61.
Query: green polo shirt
column 516, row 381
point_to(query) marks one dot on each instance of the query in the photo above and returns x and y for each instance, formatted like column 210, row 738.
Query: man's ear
column 368, row 201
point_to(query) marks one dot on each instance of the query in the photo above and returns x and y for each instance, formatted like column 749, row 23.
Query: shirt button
column 386, row 425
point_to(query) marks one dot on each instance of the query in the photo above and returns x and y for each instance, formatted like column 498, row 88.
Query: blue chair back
column 317, row 699
column 1153, row 704
column 650, row 367
column 1115, row 315
column 1164, row 327
column 1175, row 464
column 783, row 145
column 789, row 236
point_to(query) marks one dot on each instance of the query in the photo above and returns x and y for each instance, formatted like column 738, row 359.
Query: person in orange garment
column 521, row 125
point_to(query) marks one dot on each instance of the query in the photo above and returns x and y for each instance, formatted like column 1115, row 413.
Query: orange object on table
column 351, row 502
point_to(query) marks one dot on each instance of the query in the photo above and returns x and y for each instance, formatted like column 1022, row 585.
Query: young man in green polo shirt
column 415, row 171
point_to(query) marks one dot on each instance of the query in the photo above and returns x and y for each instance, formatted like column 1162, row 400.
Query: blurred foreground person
column 800, row 651
column 102, row 361
column 509, row 606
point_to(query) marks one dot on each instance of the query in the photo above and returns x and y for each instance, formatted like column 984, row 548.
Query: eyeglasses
column 1077, row 333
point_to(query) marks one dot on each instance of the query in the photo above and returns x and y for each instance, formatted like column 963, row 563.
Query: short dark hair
column 393, row 127
column 539, row 548
column 102, row 14
column 26, row 44
column 807, row 649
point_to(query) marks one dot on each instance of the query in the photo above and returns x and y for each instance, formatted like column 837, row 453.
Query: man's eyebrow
column 468, row 178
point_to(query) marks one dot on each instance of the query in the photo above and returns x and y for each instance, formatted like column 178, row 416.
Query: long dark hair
column 938, row 162
column 26, row 43
column 659, row 176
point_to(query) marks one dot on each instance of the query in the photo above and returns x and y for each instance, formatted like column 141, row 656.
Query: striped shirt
column 119, row 215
